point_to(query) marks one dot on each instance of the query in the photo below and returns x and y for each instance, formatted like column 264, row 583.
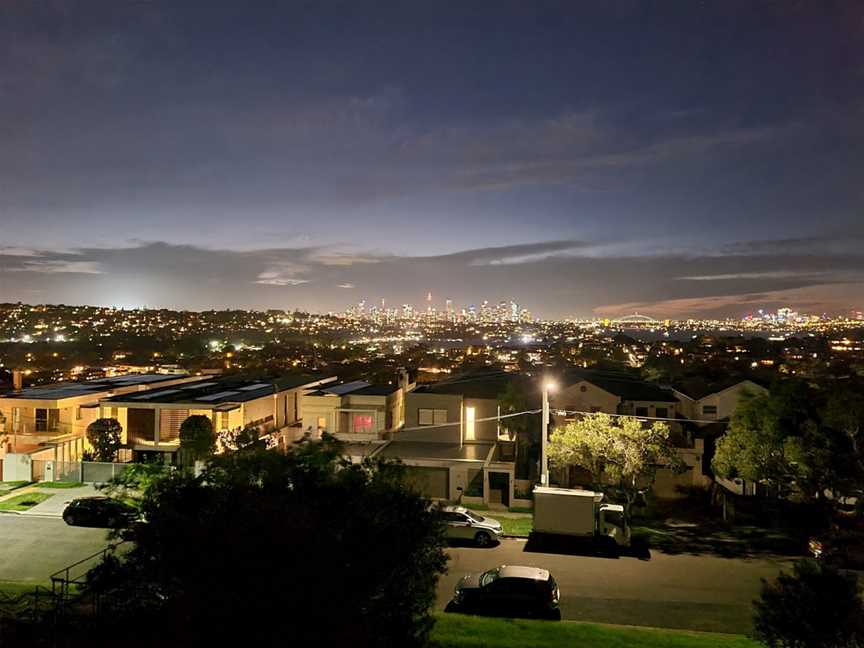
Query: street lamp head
column 550, row 385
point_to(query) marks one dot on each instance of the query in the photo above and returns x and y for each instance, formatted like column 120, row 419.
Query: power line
column 480, row 420
column 641, row 418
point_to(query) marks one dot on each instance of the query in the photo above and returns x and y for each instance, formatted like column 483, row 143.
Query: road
column 689, row 592
column 681, row 591
column 33, row 548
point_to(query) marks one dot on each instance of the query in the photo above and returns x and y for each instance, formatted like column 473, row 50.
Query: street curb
column 33, row 515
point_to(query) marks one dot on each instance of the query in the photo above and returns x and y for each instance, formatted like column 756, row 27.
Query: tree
column 298, row 548
column 621, row 451
column 780, row 440
column 197, row 439
column 525, row 428
column 844, row 412
column 814, row 607
column 240, row 440
column 104, row 435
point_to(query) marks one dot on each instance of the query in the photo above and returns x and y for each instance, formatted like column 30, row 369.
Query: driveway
column 60, row 497
column 33, row 548
column 706, row 593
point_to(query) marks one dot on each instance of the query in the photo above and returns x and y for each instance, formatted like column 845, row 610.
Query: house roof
column 206, row 393
column 356, row 388
column 478, row 384
column 432, row 450
column 624, row 386
column 698, row 390
column 59, row 391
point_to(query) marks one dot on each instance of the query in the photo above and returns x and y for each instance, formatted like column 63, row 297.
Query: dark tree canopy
column 296, row 549
column 197, row 438
column 104, row 435
column 814, row 607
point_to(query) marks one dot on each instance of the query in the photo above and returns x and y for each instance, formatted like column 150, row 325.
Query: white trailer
column 579, row 513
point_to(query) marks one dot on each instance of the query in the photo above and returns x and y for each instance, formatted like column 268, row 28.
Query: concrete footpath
column 56, row 503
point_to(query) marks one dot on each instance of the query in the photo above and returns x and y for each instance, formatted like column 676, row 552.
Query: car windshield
column 488, row 577
column 474, row 517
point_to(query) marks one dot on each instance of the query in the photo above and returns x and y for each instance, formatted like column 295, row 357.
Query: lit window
column 363, row 424
column 322, row 422
column 470, row 415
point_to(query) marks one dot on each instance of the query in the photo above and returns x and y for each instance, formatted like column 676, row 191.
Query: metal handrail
column 62, row 576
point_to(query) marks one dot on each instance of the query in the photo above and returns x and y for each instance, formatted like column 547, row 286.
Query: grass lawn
column 476, row 507
column 59, row 484
column 460, row 631
column 16, row 588
column 517, row 526
column 9, row 486
column 23, row 502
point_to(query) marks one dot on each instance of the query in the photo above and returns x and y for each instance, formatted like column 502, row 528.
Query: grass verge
column 59, row 484
column 521, row 527
column 23, row 502
column 461, row 631
column 17, row 588
column 9, row 486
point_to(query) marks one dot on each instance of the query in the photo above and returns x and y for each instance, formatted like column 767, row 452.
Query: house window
column 428, row 416
column 322, row 423
column 641, row 411
column 363, row 424
column 709, row 410
column 661, row 412
column 583, row 389
column 470, row 415
column 47, row 420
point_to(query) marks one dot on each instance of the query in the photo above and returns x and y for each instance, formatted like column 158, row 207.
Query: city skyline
column 690, row 159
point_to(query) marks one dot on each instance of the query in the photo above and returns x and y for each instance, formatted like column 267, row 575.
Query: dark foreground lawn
column 461, row 631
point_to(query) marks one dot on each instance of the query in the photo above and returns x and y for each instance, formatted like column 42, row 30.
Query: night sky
column 583, row 158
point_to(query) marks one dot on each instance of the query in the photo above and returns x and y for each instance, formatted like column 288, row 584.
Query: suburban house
column 50, row 422
column 355, row 411
column 697, row 417
column 616, row 393
column 453, row 454
column 720, row 402
column 151, row 421
column 711, row 407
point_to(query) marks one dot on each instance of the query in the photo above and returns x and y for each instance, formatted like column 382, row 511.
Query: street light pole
column 544, row 438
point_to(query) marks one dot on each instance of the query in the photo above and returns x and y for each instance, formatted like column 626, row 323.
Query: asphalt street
column 676, row 591
column 33, row 548
column 705, row 593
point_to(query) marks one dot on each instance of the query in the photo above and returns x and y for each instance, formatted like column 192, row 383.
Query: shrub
column 814, row 607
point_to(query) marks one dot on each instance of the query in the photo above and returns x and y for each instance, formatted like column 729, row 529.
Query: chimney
column 17, row 379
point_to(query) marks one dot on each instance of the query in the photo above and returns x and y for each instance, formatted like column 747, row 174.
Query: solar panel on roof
column 213, row 397
column 199, row 385
column 251, row 387
column 156, row 394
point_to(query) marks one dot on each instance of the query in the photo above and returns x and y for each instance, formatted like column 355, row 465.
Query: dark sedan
column 102, row 512
column 510, row 591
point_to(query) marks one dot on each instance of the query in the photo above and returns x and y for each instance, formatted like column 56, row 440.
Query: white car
column 463, row 524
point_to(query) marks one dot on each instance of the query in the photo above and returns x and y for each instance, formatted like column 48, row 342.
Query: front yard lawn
column 461, row 631
column 521, row 527
column 23, row 502
column 9, row 486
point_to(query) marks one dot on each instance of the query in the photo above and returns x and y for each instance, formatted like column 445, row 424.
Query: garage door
column 431, row 482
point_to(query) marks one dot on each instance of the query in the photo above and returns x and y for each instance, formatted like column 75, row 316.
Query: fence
column 101, row 472
column 75, row 471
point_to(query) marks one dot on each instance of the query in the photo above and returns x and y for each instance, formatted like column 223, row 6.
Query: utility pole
column 544, row 440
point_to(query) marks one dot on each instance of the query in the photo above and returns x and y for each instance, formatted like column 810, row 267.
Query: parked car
column 508, row 590
column 844, row 550
column 102, row 512
column 463, row 524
